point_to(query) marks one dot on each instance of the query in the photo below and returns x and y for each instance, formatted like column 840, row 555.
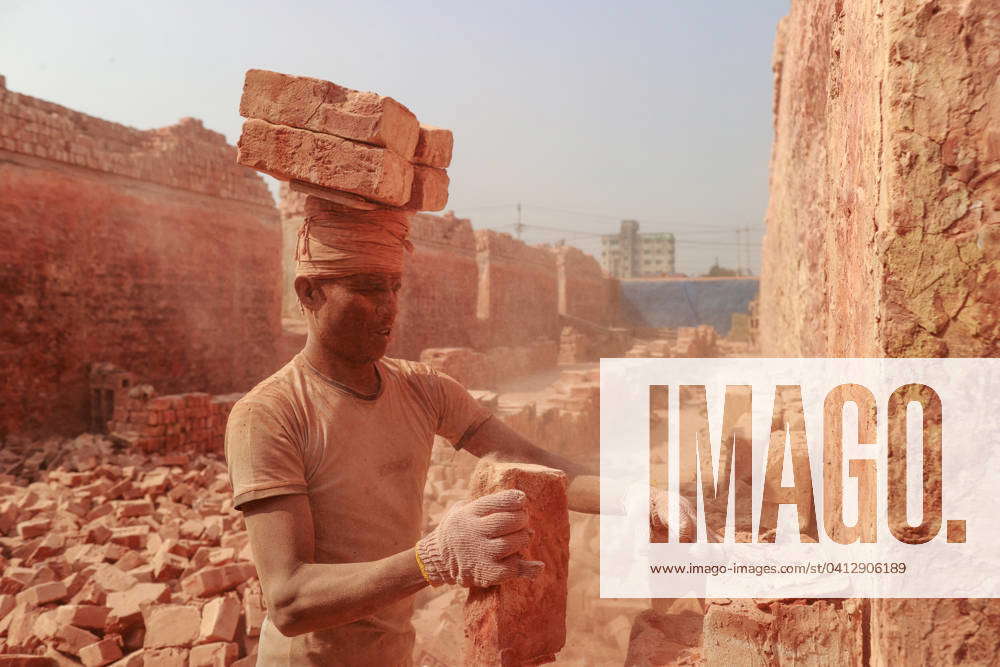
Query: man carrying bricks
column 328, row 457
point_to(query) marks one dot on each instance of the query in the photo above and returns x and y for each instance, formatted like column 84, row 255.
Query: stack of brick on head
column 362, row 159
column 361, row 150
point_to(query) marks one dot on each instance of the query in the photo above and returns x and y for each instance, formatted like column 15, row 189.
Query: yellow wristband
column 420, row 564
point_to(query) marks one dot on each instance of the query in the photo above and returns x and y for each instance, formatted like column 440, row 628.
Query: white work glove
column 659, row 516
column 477, row 542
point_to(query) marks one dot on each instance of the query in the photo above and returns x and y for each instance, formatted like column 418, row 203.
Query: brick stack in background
column 363, row 144
column 118, row 557
column 148, row 423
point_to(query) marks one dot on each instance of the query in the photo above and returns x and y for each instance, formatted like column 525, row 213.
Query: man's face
column 356, row 319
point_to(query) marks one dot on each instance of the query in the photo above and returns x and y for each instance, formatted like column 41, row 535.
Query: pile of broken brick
column 112, row 557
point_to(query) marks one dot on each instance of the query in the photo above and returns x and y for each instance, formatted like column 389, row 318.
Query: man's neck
column 362, row 377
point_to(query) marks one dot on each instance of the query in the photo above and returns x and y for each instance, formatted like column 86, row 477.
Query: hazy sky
column 586, row 112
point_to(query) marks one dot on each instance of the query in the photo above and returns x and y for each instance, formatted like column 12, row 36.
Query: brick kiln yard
column 124, row 249
column 121, row 545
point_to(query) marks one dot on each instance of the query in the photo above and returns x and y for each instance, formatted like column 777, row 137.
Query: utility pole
column 518, row 227
column 739, row 251
column 748, row 246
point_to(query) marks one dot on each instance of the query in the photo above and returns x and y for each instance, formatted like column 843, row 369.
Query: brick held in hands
column 430, row 189
column 523, row 621
column 287, row 153
column 434, row 147
column 322, row 106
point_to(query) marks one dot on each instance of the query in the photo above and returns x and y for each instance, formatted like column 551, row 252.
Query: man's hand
column 659, row 515
column 477, row 542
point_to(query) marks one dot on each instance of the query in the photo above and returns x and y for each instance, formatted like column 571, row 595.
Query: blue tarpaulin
column 686, row 303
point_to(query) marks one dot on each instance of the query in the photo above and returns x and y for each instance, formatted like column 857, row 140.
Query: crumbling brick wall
column 883, row 226
column 584, row 290
column 437, row 305
column 518, row 298
column 151, row 250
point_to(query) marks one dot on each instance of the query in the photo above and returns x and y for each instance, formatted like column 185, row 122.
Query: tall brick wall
column 149, row 249
column 437, row 305
column 518, row 298
column 584, row 290
column 883, row 226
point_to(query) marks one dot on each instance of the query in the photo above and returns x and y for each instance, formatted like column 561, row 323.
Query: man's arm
column 475, row 544
column 304, row 596
column 495, row 437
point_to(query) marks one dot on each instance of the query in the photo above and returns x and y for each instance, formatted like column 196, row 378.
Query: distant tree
column 720, row 272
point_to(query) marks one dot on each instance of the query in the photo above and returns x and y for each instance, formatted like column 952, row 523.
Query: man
column 328, row 460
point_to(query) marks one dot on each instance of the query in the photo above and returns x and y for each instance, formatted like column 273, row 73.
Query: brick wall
column 518, row 298
column 883, row 223
column 437, row 305
column 883, row 231
column 151, row 250
column 584, row 290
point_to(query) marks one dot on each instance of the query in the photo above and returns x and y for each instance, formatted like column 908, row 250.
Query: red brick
column 322, row 106
column 111, row 579
column 126, row 606
column 192, row 529
column 171, row 625
column 434, row 147
column 327, row 161
column 218, row 654
column 523, row 621
column 219, row 618
column 40, row 594
column 133, row 537
column 167, row 566
column 27, row 530
column 162, row 657
column 429, row 191
column 70, row 639
column 7, row 604
column 100, row 653
column 24, row 660
column 214, row 580
column 21, row 626
column 131, row 508
column 253, row 609
column 92, row 617
column 221, row 556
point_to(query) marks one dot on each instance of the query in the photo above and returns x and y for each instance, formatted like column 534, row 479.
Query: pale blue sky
column 658, row 111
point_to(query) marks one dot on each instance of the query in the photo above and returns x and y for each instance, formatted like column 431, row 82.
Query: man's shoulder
column 276, row 392
column 408, row 369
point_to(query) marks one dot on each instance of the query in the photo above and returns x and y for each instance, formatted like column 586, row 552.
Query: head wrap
column 337, row 241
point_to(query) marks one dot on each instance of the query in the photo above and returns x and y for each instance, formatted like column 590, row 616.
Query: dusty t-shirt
column 362, row 461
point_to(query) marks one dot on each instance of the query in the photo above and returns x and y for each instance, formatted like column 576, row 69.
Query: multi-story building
column 629, row 254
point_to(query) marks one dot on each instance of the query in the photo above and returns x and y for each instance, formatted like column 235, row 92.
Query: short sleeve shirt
column 362, row 461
